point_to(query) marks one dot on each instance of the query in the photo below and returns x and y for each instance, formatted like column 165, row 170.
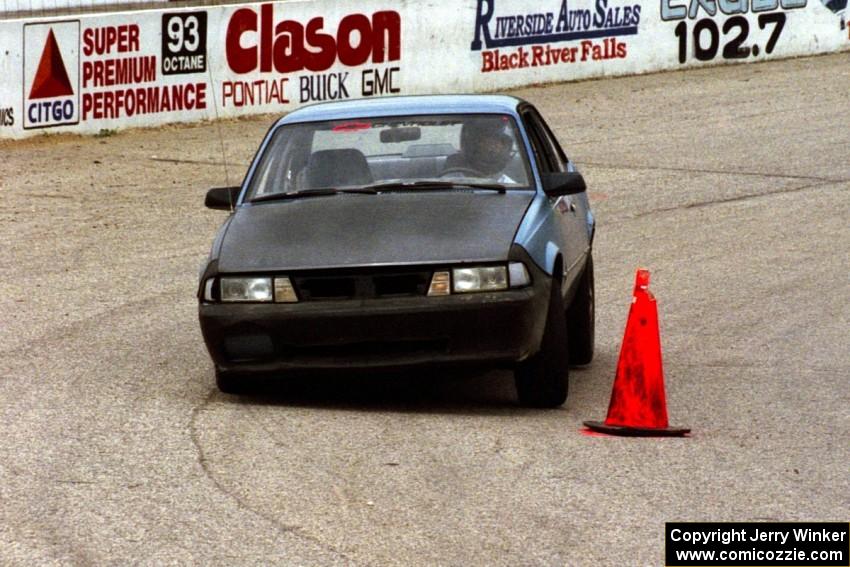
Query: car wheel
column 581, row 318
column 231, row 382
column 542, row 380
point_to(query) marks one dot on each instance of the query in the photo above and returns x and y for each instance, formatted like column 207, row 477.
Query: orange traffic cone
column 638, row 406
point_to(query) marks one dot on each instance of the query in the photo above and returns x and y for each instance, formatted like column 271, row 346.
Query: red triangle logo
column 51, row 78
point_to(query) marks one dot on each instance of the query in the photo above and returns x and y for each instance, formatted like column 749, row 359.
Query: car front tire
column 542, row 380
column 581, row 325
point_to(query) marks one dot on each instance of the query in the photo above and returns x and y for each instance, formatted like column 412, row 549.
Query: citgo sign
column 51, row 74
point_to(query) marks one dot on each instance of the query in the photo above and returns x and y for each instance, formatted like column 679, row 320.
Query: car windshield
column 393, row 153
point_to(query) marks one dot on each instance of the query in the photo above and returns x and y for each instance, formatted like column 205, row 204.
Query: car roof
column 404, row 105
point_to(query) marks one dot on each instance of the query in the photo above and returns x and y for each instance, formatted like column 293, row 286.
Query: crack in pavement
column 189, row 161
column 294, row 530
column 720, row 172
column 701, row 204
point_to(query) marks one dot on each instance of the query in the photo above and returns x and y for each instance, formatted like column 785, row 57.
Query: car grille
column 336, row 286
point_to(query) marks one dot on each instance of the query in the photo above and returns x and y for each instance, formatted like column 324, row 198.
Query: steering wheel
column 461, row 169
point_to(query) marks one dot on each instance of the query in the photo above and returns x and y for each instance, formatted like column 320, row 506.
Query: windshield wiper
column 449, row 185
column 312, row 193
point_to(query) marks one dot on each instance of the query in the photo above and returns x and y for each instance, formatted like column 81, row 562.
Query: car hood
column 348, row 230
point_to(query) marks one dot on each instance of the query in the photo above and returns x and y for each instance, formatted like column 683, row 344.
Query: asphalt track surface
column 732, row 184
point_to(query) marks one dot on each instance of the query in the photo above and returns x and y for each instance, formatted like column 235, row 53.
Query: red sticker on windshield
column 352, row 126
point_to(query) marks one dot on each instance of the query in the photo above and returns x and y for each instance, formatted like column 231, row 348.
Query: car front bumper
column 486, row 328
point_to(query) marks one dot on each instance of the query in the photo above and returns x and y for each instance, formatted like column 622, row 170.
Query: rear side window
column 544, row 161
column 549, row 155
column 552, row 142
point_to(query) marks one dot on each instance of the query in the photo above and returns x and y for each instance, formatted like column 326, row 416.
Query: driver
column 485, row 148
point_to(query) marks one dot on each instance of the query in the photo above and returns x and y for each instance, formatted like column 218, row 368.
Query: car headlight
column 491, row 278
column 246, row 289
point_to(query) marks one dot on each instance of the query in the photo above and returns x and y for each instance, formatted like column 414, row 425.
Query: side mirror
column 563, row 183
column 222, row 198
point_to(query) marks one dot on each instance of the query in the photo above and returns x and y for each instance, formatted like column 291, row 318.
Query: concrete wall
column 86, row 73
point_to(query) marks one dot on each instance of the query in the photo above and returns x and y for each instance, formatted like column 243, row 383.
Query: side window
column 542, row 156
column 269, row 168
column 559, row 160
column 281, row 161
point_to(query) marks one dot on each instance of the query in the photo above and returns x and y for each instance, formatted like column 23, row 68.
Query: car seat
column 338, row 168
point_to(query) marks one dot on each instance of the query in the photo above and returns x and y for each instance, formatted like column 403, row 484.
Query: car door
column 569, row 210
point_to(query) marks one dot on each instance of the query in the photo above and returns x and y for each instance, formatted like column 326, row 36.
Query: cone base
column 623, row 431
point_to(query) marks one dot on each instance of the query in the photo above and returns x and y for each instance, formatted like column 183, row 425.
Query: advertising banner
column 90, row 73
